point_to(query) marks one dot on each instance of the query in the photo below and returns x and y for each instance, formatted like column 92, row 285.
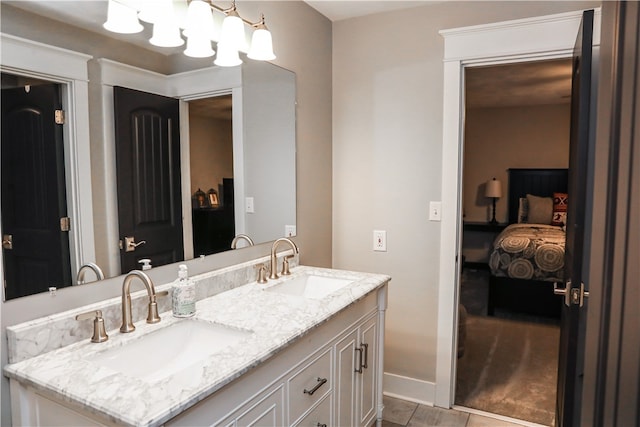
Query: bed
column 527, row 257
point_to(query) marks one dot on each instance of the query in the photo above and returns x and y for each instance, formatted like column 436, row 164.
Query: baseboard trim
column 410, row 389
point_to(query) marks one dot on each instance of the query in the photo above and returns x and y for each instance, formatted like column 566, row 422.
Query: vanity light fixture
column 196, row 20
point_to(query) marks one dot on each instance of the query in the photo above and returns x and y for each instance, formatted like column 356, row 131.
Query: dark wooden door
column 33, row 191
column 148, row 169
column 573, row 320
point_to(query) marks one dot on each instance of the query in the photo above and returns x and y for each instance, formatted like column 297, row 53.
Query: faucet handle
column 152, row 313
column 262, row 273
column 99, row 332
column 285, row 265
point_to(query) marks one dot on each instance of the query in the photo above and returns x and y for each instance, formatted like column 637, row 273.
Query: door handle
column 130, row 244
column 572, row 296
column 7, row 241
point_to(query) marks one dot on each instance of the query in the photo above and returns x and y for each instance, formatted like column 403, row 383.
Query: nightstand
column 480, row 242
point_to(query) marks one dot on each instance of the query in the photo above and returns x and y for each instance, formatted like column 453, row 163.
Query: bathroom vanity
column 304, row 349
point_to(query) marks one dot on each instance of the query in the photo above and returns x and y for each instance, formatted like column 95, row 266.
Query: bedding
column 529, row 251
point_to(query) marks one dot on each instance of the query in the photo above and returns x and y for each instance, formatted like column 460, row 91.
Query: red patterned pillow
column 559, row 209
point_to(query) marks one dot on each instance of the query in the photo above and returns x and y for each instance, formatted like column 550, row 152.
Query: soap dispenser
column 183, row 296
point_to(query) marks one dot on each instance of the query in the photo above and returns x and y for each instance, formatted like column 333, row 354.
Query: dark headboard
column 539, row 182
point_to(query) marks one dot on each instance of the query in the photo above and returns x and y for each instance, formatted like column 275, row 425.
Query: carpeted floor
column 510, row 365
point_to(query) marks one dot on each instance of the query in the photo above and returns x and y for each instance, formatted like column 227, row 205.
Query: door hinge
column 59, row 117
column 65, row 223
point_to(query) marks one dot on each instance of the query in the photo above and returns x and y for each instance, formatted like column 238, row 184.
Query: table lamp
column 494, row 191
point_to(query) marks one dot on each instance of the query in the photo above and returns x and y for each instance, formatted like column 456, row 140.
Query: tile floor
column 400, row 413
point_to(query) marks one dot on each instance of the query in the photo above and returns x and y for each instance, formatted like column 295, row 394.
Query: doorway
column 212, row 173
column 477, row 46
column 517, row 120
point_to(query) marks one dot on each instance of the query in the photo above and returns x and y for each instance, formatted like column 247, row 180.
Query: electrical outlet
column 290, row 231
column 379, row 240
column 435, row 211
column 249, row 208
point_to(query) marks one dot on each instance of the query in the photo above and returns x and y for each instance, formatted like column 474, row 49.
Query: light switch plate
column 290, row 231
column 249, row 208
column 435, row 211
column 379, row 240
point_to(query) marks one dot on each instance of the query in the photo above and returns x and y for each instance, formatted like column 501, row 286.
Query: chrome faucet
column 152, row 316
column 274, row 258
column 89, row 266
column 239, row 237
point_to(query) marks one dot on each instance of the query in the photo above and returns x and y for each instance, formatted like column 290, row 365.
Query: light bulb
column 227, row 56
column 166, row 34
column 199, row 47
column 233, row 31
column 261, row 46
column 199, row 20
column 122, row 19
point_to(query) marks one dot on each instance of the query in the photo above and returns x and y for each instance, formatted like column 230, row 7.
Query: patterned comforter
column 529, row 251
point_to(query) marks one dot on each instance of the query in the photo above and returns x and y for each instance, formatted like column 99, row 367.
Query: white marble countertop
column 276, row 320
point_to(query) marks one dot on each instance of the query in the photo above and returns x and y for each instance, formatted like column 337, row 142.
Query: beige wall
column 302, row 39
column 211, row 152
column 387, row 149
column 497, row 139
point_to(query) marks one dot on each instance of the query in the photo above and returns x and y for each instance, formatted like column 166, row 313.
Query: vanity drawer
column 319, row 417
column 309, row 385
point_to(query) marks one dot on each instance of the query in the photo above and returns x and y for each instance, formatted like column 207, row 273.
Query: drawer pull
column 366, row 355
column 321, row 381
column 359, row 365
column 321, row 425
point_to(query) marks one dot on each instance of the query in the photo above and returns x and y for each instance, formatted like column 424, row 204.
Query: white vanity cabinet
column 329, row 376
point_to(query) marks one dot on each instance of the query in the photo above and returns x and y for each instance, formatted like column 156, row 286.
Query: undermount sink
column 181, row 347
column 310, row 286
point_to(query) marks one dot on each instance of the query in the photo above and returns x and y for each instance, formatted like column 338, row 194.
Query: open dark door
column 35, row 237
column 148, row 169
column 570, row 371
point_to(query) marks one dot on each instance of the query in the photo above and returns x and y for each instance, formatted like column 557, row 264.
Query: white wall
column 387, row 150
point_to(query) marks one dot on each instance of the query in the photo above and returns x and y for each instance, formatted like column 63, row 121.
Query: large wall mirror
column 236, row 170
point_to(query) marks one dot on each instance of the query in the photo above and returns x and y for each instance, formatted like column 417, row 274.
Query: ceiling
column 537, row 83
column 345, row 9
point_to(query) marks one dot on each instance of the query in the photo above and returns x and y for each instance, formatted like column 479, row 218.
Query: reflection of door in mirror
column 34, row 206
column 148, row 178
column 211, row 169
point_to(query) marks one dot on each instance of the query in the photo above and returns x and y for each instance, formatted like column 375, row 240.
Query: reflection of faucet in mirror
column 89, row 266
column 239, row 237
column 274, row 258
column 152, row 316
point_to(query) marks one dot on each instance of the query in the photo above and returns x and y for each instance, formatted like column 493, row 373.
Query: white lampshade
column 227, row 56
column 122, row 19
column 199, row 20
column 199, row 46
column 233, row 32
column 493, row 189
column 261, row 45
column 166, row 34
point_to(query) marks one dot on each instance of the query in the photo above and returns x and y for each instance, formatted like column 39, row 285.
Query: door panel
column 33, row 191
column 148, row 169
column 573, row 315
